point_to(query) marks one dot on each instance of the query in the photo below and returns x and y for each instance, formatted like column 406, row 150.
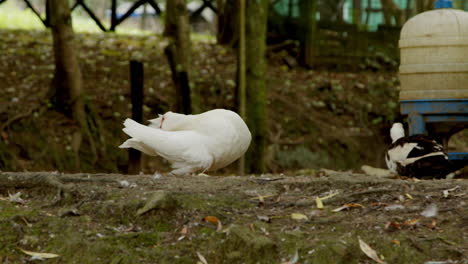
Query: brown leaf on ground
column 184, row 230
column 214, row 220
column 211, row 219
column 391, row 226
column 370, row 252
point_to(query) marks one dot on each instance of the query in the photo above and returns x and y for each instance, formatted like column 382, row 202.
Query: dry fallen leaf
column 409, row 196
column 319, row 200
column 447, row 192
column 201, row 258
column 432, row 225
column 39, row 255
column 298, row 216
column 294, row 259
column 319, row 203
column 184, row 230
column 347, row 206
column 396, row 242
column 411, row 222
column 370, row 252
column 211, row 219
column 392, row 225
column 16, row 198
column 214, row 220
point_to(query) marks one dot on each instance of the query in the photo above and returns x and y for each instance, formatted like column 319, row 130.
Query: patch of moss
column 13, row 226
column 205, row 202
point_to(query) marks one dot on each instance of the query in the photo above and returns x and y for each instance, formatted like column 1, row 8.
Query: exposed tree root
column 50, row 179
column 62, row 182
column 19, row 117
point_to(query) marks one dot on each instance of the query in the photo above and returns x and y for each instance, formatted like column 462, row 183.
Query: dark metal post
column 113, row 15
column 47, row 14
column 136, row 82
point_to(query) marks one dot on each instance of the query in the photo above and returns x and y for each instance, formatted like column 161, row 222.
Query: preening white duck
column 416, row 156
column 191, row 143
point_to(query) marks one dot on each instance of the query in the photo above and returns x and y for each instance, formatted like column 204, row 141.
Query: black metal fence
column 114, row 19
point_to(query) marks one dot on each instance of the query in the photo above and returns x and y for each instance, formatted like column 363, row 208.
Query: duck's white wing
column 401, row 152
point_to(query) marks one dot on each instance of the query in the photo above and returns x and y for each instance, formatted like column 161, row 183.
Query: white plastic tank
column 434, row 55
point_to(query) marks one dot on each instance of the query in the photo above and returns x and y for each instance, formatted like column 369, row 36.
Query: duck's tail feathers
column 138, row 145
column 137, row 130
column 139, row 134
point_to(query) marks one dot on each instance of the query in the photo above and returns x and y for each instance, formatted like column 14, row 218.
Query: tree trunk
column 228, row 26
column 66, row 90
column 67, row 83
column 308, row 9
column 256, row 26
column 177, row 28
column 357, row 12
column 241, row 89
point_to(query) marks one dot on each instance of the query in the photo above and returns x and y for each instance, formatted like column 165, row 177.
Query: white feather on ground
column 192, row 143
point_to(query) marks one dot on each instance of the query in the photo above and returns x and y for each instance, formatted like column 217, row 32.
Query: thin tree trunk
column 241, row 93
column 308, row 9
column 256, row 25
column 67, row 82
column 66, row 90
column 177, row 28
column 357, row 12
column 228, row 27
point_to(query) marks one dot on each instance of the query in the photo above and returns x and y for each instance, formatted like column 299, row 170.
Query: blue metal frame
column 420, row 112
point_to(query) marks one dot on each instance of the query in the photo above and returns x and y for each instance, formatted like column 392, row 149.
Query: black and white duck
column 417, row 156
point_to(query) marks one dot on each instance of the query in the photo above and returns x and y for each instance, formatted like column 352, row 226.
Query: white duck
column 192, row 143
column 416, row 156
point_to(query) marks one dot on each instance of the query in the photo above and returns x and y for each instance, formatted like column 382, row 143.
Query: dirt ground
column 273, row 218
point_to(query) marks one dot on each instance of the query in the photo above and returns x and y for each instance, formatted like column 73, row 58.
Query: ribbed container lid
column 445, row 26
column 434, row 55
